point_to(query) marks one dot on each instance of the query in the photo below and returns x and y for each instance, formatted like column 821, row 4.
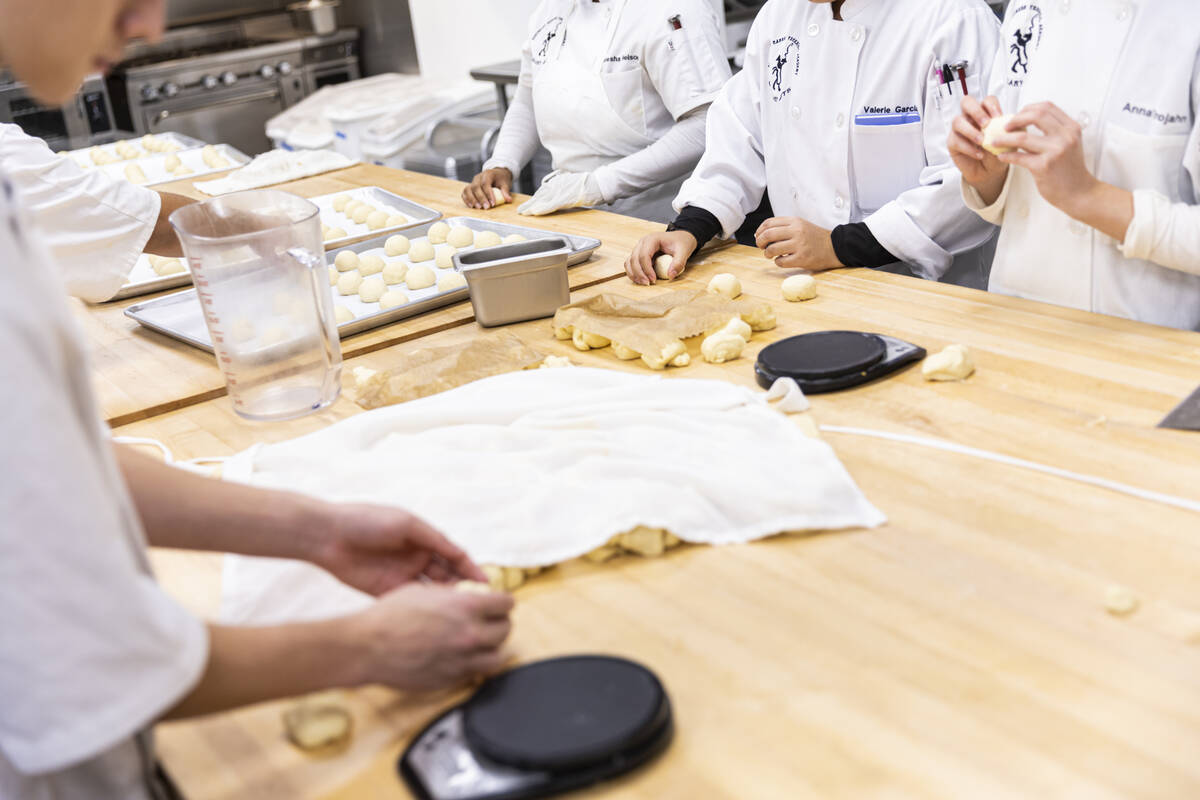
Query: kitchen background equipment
column 319, row 16
column 517, row 282
column 827, row 361
column 542, row 729
column 179, row 316
column 87, row 119
column 154, row 167
column 1186, row 415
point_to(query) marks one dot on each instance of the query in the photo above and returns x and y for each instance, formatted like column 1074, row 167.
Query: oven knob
column 228, row 78
column 266, row 71
column 209, row 81
column 284, row 68
column 169, row 89
column 149, row 93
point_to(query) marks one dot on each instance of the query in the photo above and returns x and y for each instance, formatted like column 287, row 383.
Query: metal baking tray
column 381, row 199
column 156, row 172
column 144, row 280
column 180, row 140
column 179, row 315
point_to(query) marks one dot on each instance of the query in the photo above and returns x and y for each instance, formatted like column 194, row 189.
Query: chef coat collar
column 852, row 8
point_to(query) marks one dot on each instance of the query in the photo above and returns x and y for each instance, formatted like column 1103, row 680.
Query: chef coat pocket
column 623, row 87
column 888, row 155
column 1146, row 161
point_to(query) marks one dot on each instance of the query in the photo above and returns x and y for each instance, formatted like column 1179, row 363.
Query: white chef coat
column 94, row 226
column 1129, row 73
column 847, row 121
column 602, row 81
column 91, row 650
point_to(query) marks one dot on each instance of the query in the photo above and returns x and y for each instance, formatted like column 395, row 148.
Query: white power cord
column 999, row 458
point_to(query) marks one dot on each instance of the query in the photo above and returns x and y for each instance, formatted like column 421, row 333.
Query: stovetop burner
column 178, row 54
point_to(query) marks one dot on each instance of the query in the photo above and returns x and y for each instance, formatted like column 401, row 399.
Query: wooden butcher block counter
column 962, row 650
column 139, row 373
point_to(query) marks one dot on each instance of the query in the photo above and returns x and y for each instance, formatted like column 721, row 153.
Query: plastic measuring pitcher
column 258, row 263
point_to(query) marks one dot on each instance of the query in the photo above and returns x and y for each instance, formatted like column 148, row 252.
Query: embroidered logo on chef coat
column 1025, row 22
column 783, row 60
column 548, row 40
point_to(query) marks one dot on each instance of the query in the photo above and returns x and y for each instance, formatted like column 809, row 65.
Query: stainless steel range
column 222, row 82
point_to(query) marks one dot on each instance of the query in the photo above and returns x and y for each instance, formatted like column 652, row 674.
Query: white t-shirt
column 91, row 650
column 94, row 226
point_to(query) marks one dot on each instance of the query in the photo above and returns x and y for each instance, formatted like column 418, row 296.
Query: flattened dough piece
column 799, row 287
column 954, row 363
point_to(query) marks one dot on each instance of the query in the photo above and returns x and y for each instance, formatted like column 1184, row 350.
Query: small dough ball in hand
column 498, row 197
column 438, row 232
column 370, row 265
column 513, row 238
column 460, row 236
column 449, row 281
column 721, row 347
column 799, row 287
column 339, row 202
column 361, row 214
column 444, row 256
column 346, row 261
column 420, row 277
column 488, row 239
column 472, row 587
column 996, row 127
column 342, row 314
column 726, row 285
column 952, row 364
column 662, row 265
column 376, row 220
column 396, row 246
column 394, row 272
column 349, row 282
column 371, row 289
column 421, row 251
column 393, row 298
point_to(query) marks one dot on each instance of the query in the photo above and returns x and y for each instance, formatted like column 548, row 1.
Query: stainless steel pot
column 320, row 15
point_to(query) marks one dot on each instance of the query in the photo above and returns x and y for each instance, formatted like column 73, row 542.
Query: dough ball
column 151, row 142
column 736, row 326
column 504, row 579
column 449, row 281
column 348, row 283
column 643, row 541
column 488, row 239
column 318, row 727
column 1119, row 601
column 421, row 251
column 472, row 587
column 460, row 236
column 721, row 347
column 172, row 163
column 624, row 353
column 370, row 265
column 588, row 341
column 498, row 197
column 996, row 127
column 760, row 318
column 444, row 256
column 675, row 354
column 394, row 272
column 351, row 207
column 513, row 238
column 342, row 314
column 376, row 220
column 134, row 174
column 168, row 266
column 726, row 285
column 335, row 233
column 396, row 246
column 393, row 298
column 395, row 221
column 554, row 362
column 339, row 202
column 799, row 287
column 371, row 289
column 662, row 263
column 212, row 157
column 419, row 277
column 361, row 214
column 438, row 232
column 346, row 261
column 952, row 364
column 333, row 276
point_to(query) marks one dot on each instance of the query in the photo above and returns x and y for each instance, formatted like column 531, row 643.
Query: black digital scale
column 540, row 730
column 827, row 361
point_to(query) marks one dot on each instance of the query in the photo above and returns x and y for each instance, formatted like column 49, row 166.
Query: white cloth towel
column 276, row 166
column 537, row 467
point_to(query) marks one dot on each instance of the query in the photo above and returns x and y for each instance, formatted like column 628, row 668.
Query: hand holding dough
column 997, row 126
column 952, row 364
column 799, row 287
column 662, row 266
column 497, row 197
column 725, row 285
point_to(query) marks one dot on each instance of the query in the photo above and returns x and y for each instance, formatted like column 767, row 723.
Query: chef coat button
column 1085, row 119
column 1077, row 227
column 855, row 33
column 814, row 29
column 841, row 120
column 795, row 112
column 796, row 197
column 1123, row 13
column 839, row 203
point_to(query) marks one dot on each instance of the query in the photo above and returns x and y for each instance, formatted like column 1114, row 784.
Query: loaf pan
column 517, row 282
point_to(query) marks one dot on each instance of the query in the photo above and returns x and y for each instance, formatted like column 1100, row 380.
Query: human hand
column 640, row 265
column 420, row 638
column 981, row 170
column 795, row 243
column 561, row 190
column 478, row 193
column 1054, row 156
column 378, row 548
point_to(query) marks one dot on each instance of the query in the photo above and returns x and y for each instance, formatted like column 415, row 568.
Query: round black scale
column 542, row 729
column 830, row 360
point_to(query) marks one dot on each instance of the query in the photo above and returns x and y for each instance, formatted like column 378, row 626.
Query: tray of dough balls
column 370, row 210
column 128, row 149
column 381, row 280
column 154, row 274
column 158, row 168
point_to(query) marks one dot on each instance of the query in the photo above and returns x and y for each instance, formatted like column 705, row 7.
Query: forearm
column 675, row 154
column 1107, row 208
column 163, row 241
column 1164, row 232
column 518, row 138
column 183, row 510
column 254, row 665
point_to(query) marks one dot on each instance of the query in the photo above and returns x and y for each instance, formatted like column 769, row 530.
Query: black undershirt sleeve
column 856, row 246
column 698, row 222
